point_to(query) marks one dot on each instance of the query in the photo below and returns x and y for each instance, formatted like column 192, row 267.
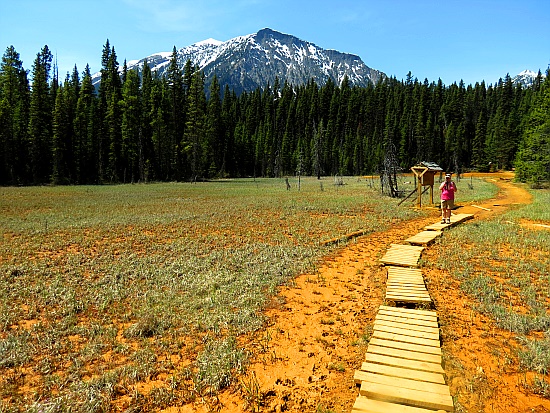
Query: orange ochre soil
column 319, row 327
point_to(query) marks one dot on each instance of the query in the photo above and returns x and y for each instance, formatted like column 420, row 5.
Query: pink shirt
column 448, row 190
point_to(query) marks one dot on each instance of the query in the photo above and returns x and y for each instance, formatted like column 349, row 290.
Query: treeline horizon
column 149, row 128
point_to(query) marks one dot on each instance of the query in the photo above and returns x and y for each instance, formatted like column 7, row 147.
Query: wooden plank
column 386, row 311
column 424, row 237
column 401, row 257
column 408, row 299
column 406, row 247
column 406, row 279
column 404, row 271
column 404, row 275
column 461, row 217
column 396, row 295
column 417, row 286
column 403, row 253
column 407, row 332
column 420, row 289
column 408, row 320
column 412, row 281
column 394, row 251
column 397, row 276
column 412, row 262
column 402, row 263
column 393, row 371
column 406, row 339
column 409, row 397
column 398, row 313
column 409, row 311
column 437, row 227
column 404, row 363
column 394, row 324
column 400, row 345
column 408, row 294
column 405, row 286
column 406, row 354
column 361, row 376
column 411, row 297
column 365, row 405
column 408, row 316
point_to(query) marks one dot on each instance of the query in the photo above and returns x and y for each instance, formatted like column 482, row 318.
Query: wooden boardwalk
column 424, row 238
column 406, row 285
column 403, row 369
column 402, row 255
column 403, row 364
column 455, row 220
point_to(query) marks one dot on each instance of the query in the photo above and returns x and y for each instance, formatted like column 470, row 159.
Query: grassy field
column 135, row 296
column 505, row 270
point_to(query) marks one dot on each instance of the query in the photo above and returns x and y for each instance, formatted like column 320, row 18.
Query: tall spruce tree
column 84, row 137
column 176, row 125
column 40, row 118
column 113, row 120
column 132, row 110
column 194, row 139
column 145, row 143
column 216, row 147
column 14, row 118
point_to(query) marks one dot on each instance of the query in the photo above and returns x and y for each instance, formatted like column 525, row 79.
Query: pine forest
column 142, row 127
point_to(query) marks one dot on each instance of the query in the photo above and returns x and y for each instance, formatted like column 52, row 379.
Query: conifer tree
column 60, row 138
column 14, row 118
column 113, row 120
column 176, row 125
column 84, row 136
column 131, row 127
column 533, row 158
column 216, row 147
column 40, row 118
column 194, row 141
column 145, row 143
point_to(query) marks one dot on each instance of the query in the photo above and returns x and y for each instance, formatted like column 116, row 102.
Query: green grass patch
column 103, row 287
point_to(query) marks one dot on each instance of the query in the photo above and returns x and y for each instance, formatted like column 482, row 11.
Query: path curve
column 319, row 328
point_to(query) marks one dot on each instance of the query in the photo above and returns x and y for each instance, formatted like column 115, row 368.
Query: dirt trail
column 319, row 328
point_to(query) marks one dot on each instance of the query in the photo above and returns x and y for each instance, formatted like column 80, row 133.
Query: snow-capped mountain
column 246, row 63
column 525, row 78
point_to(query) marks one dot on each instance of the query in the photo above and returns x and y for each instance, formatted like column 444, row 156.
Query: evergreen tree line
column 142, row 128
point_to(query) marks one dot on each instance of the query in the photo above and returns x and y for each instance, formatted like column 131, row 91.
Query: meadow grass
column 505, row 268
column 105, row 287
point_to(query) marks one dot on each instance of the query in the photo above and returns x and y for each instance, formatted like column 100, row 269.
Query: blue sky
column 448, row 39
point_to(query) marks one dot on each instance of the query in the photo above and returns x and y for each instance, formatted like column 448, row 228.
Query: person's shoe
column 443, row 221
column 448, row 221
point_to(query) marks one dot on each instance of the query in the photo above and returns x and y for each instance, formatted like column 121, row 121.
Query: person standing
column 448, row 189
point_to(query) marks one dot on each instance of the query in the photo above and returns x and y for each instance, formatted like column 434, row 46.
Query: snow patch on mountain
column 525, row 78
column 251, row 61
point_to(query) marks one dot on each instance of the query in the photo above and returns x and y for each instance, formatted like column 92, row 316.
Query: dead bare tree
column 389, row 171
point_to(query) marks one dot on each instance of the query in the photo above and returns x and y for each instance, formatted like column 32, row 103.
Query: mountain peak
column 209, row 42
column 253, row 61
column 525, row 78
